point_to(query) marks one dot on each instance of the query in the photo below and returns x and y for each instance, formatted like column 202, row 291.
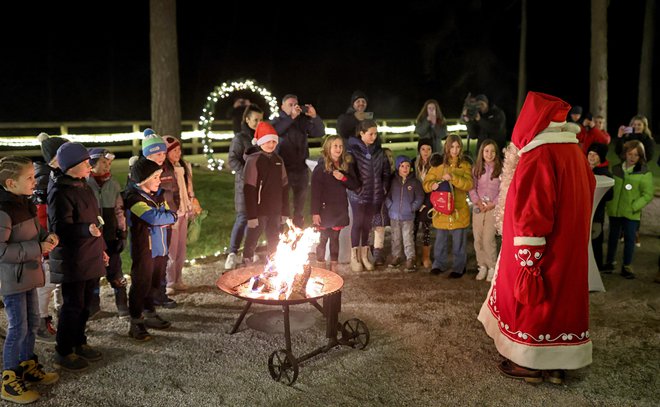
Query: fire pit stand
column 282, row 364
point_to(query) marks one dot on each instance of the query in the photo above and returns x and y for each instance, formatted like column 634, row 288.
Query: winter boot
column 138, row 330
column 14, row 388
column 231, row 262
column 33, row 372
column 70, row 362
column 379, row 257
column 45, row 331
column 490, row 275
column 365, row 257
column 356, row 263
column 426, row 257
column 88, row 353
column 481, row 274
column 121, row 300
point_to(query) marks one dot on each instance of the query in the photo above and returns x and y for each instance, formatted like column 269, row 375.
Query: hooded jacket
column 404, row 198
column 633, row 190
column 148, row 218
column 20, row 251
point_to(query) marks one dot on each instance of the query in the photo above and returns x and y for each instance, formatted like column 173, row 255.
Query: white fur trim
column 528, row 241
column 266, row 138
column 550, row 137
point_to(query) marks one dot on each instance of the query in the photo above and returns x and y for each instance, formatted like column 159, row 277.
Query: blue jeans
column 629, row 231
column 23, row 319
column 459, row 242
column 298, row 183
column 237, row 232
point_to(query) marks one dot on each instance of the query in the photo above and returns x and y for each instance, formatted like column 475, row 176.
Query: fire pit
column 323, row 285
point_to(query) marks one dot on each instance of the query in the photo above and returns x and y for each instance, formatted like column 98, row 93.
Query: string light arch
column 223, row 92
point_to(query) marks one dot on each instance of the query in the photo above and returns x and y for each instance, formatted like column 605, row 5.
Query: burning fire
column 288, row 269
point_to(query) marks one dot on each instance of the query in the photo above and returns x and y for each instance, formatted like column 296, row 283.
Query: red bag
column 442, row 198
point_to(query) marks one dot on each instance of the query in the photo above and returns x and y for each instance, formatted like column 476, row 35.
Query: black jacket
column 72, row 208
column 265, row 186
column 293, row 146
column 492, row 125
column 329, row 199
column 370, row 166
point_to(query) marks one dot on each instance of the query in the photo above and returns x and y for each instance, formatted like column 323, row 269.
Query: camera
column 304, row 109
column 471, row 107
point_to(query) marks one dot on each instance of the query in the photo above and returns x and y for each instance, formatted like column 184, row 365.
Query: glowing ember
column 288, row 269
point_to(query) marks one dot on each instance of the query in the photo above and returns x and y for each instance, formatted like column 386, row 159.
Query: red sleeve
column 42, row 214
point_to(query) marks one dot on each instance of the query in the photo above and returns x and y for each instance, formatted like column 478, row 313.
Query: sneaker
column 396, row 262
column 138, row 330
column 155, row 321
column 231, row 261
column 627, row 272
column 14, row 388
column 436, row 271
column 483, row 271
column 88, row 353
column 70, row 362
column 455, row 274
column 165, row 302
column 410, row 265
column 33, row 372
column 491, row 274
column 45, row 330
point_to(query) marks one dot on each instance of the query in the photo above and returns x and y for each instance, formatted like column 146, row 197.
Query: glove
column 252, row 223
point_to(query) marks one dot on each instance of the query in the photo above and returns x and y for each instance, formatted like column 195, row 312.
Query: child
column 421, row 165
column 265, row 189
column 329, row 206
column 22, row 243
column 597, row 158
column 241, row 142
column 108, row 194
column 456, row 170
column 176, row 182
column 49, row 146
column 78, row 261
column 484, row 195
column 633, row 190
column 381, row 219
column 148, row 221
column 371, row 168
column 404, row 199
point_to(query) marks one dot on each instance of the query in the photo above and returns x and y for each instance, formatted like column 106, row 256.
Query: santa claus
column 537, row 309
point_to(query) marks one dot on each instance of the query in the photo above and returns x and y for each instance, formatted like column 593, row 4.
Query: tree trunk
column 522, row 58
column 644, row 100
column 598, row 72
column 165, row 96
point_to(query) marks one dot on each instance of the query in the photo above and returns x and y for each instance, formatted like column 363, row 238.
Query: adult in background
column 347, row 123
column 638, row 129
column 487, row 122
column 294, row 125
column 235, row 113
column 537, row 309
column 431, row 124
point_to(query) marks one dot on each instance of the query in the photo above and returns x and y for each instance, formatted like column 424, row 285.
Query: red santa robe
column 537, row 309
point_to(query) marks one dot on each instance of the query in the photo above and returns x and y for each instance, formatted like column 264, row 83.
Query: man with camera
column 294, row 125
column 484, row 121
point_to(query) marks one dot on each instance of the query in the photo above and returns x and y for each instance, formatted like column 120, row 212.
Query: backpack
column 442, row 198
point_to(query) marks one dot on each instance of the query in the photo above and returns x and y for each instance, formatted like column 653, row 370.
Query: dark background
column 91, row 62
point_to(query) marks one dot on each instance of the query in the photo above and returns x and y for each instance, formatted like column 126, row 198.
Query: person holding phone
column 431, row 124
column 347, row 123
column 637, row 130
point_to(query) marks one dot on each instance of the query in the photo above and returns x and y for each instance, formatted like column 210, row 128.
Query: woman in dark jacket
column 370, row 166
column 431, row 124
column 329, row 206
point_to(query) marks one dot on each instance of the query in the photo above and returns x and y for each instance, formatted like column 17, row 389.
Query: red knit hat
column 264, row 133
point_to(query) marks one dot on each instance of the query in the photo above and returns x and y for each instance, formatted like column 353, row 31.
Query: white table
column 603, row 184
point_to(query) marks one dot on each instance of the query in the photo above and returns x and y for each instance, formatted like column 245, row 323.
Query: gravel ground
column 427, row 348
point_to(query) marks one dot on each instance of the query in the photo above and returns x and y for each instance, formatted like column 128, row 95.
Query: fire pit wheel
column 355, row 333
column 283, row 366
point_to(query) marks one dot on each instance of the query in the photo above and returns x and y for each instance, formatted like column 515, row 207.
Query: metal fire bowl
column 229, row 282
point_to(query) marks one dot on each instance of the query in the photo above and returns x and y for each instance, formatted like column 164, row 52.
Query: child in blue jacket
column 149, row 219
column 404, row 199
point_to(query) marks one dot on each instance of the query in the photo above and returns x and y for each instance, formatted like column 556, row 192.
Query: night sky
column 75, row 63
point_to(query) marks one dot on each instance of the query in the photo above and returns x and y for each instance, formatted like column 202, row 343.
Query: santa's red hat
column 264, row 133
column 540, row 112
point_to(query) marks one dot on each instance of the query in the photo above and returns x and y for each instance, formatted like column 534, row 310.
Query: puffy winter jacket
column 462, row 182
column 633, row 190
column 240, row 144
column 371, row 167
column 148, row 218
column 404, row 198
column 20, row 251
column 329, row 198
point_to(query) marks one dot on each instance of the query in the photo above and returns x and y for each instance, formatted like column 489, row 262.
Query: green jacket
column 632, row 192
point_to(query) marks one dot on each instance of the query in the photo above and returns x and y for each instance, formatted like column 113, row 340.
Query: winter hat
column 98, row 152
column 71, row 154
column 264, row 133
column 49, row 145
column 481, row 98
column 358, row 94
column 400, row 160
column 600, row 149
column 144, row 170
column 152, row 143
column 424, row 142
column 171, row 143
